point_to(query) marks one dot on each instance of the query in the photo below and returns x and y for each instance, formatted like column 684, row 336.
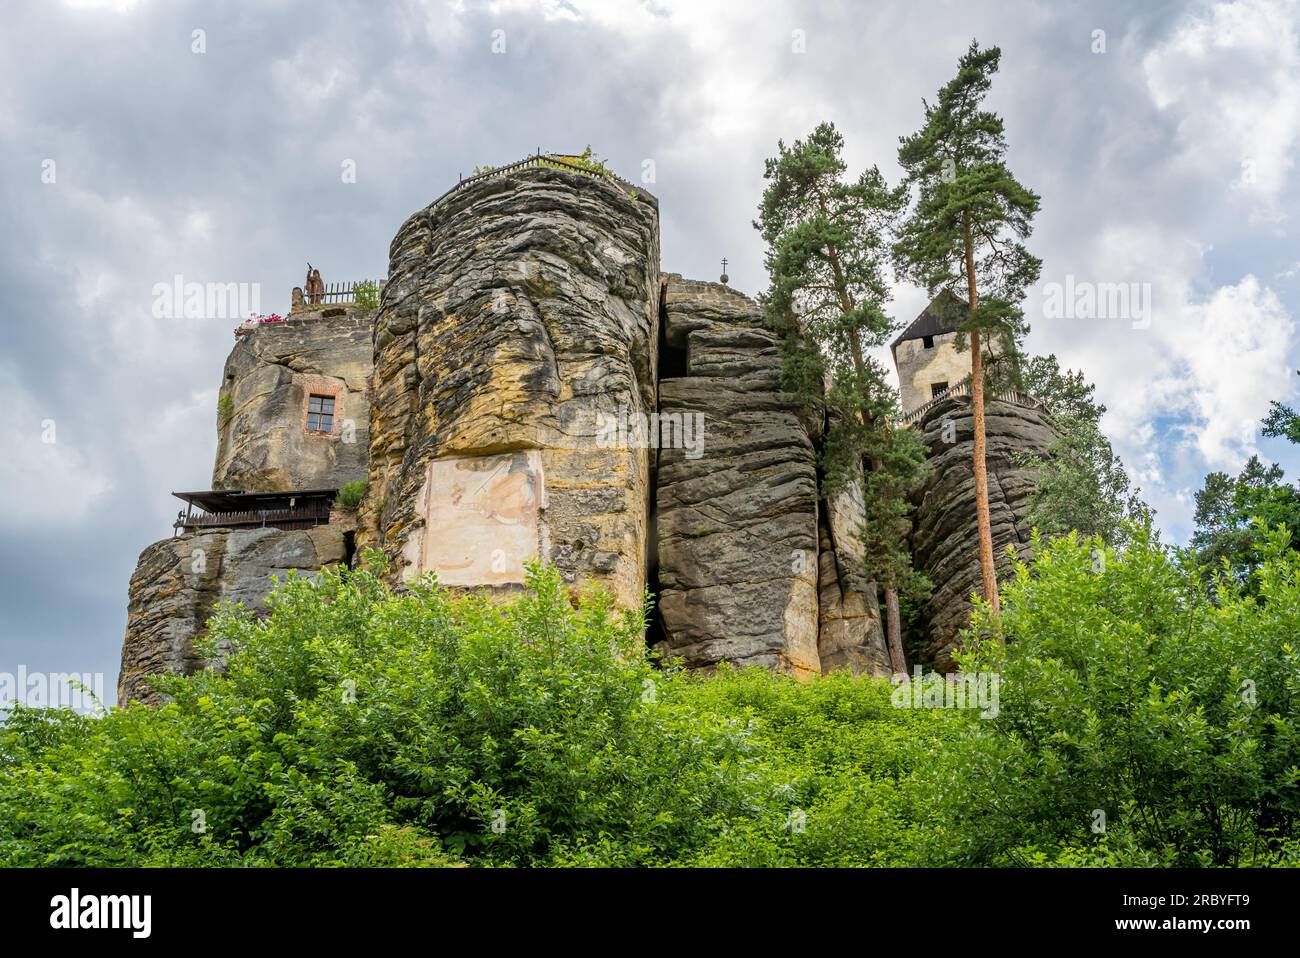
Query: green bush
column 357, row 727
column 1127, row 692
column 838, row 761
column 365, row 294
column 225, row 409
column 350, row 496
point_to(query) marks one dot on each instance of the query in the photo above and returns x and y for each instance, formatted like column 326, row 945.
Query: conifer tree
column 827, row 244
column 1080, row 484
column 964, row 234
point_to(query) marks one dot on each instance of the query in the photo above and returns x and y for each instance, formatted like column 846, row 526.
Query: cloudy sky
column 144, row 139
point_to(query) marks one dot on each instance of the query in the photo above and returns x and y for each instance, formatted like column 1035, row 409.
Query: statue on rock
column 315, row 288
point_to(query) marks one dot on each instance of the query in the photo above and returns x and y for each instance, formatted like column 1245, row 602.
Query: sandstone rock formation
column 851, row 634
column 747, row 564
column 520, row 312
column 944, row 529
column 272, row 372
column 531, row 387
column 178, row 583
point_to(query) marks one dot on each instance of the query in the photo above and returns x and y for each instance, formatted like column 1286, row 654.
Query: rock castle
column 532, row 385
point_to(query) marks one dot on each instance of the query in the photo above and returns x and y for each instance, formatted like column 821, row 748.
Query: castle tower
column 925, row 353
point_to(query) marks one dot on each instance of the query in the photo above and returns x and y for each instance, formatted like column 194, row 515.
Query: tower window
column 937, row 388
column 320, row 413
column 927, row 342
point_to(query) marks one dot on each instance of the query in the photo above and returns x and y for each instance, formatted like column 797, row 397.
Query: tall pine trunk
column 893, row 619
column 988, row 571
column 894, row 630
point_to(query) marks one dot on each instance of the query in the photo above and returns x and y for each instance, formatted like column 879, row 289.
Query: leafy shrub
column 225, row 410
column 838, row 760
column 350, row 496
column 365, row 294
column 358, row 727
column 1127, row 691
column 354, row 726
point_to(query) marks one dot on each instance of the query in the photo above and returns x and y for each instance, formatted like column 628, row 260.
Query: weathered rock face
column 748, row 569
column 945, row 533
column 692, row 304
column 531, row 387
column 265, row 445
column 519, row 317
column 851, row 632
column 178, row 583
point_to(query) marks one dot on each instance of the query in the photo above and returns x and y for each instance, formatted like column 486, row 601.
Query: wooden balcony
column 235, row 509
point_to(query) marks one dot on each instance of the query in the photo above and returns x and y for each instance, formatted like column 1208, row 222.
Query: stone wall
column 178, row 583
column 518, row 310
column 945, row 533
column 265, row 445
column 920, row 367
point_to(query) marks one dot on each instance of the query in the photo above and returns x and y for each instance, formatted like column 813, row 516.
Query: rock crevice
column 747, row 568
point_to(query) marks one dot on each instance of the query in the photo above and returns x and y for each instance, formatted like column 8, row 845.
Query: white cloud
column 1235, row 351
column 1231, row 78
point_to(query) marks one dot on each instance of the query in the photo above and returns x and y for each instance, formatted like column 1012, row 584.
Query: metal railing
column 540, row 161
column 336, row 293
column 312, row 514
column 1012, row 396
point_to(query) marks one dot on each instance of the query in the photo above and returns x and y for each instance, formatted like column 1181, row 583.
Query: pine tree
column 964, row 234
column 827, row 241
column 1079, row 483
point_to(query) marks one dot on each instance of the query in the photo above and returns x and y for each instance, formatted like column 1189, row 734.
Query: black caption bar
column 334, row 906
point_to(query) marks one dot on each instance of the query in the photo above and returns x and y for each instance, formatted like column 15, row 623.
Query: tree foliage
column 964, row 236
column 1080, row 484
column 1234, row 517
column 827, row 246
column 966, row 195
column 363, row 728
column 357, row 727
column 1140, row 722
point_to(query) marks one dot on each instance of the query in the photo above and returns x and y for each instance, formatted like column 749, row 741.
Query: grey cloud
column 153, row 142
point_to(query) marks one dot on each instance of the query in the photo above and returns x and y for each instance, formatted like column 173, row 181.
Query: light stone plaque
column 482, row 515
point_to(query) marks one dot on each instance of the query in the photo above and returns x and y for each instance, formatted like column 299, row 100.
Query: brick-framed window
column 320, row 413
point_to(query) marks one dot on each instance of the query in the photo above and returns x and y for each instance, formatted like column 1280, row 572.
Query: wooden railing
column 541, row 161
column 1013, row 396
